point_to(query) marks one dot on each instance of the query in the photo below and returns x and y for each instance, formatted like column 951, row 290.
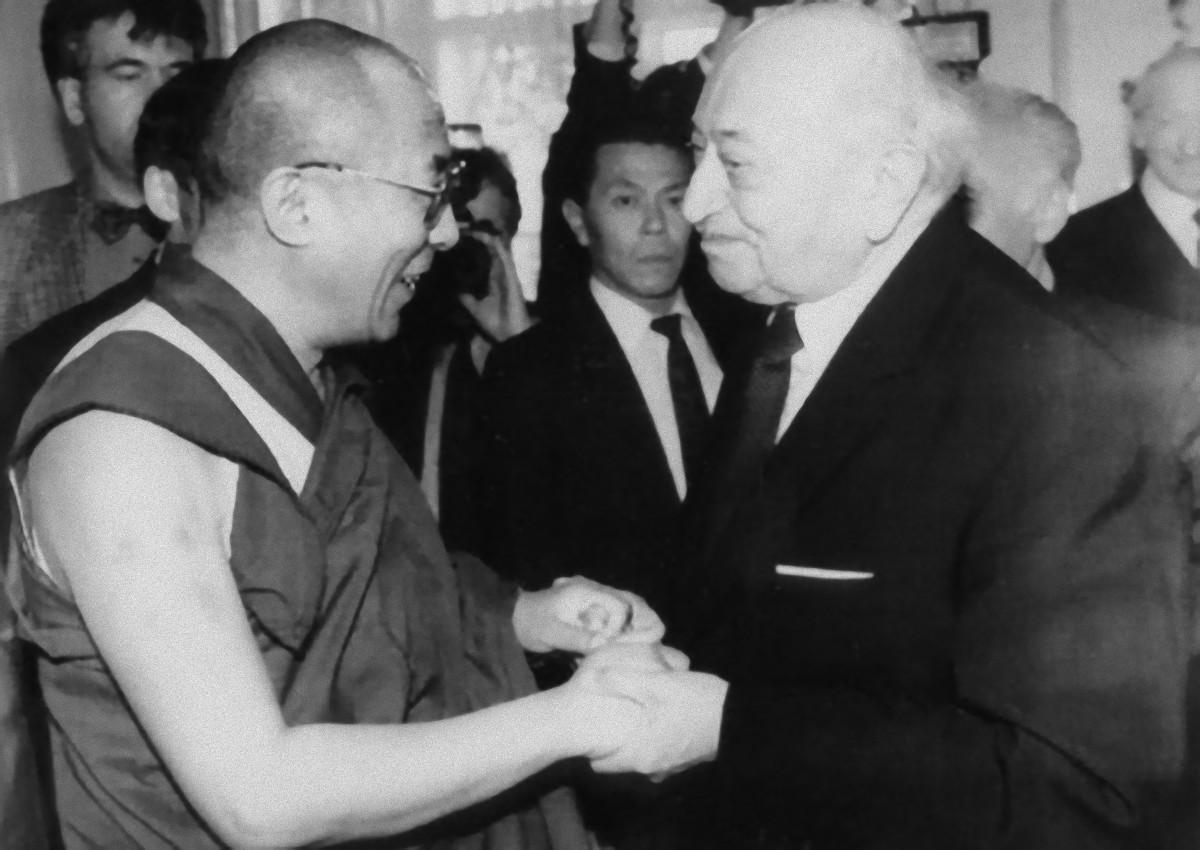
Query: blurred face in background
column 492, row 206
column 119, row 77
column 1167, row 124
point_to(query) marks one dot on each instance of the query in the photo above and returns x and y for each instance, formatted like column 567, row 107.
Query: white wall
column 32, row 153
column 1077, row 53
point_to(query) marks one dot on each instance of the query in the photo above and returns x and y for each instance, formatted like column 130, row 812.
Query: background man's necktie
column 112, row 221
column 687, row 393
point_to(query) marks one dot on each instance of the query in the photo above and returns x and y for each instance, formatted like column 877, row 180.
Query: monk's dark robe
column 359, row 612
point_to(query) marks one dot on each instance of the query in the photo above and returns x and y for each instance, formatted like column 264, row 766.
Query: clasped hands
column 632, row 705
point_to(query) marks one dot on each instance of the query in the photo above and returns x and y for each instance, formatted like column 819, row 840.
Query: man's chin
column 752, row 289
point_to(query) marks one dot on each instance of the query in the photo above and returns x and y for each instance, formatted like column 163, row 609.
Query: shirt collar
column 1174, row 211
column 629, row 320
column 825, row 323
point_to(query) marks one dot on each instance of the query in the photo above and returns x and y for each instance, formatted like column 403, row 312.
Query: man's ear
column 161, row 191
column 897, row 178
column 288, row 204
column 573, row 213
column 1053, row 214
column 70, row 95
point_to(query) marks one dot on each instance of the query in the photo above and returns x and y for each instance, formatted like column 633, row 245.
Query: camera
column 464, row 268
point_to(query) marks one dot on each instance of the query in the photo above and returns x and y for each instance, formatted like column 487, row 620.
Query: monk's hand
column 642, row 657
column 579, row 615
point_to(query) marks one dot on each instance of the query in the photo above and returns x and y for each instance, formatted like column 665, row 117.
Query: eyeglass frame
column 439, row 196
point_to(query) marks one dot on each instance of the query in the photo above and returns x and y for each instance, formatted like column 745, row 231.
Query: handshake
column 632, row 705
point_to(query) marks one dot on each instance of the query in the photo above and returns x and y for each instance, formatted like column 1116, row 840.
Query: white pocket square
column 819, row 573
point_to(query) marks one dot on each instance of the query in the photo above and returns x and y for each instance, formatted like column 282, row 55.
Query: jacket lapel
column 1162, row 281
column 608, row 393
column 863, row 383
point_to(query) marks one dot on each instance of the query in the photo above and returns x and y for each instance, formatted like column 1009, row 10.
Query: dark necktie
column 758, row 406
column 687, row 394
column 112, row 221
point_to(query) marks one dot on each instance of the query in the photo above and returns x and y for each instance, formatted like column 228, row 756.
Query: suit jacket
column 996, row 654
column 1118, row 250
column 576, row 478
column 42, row 252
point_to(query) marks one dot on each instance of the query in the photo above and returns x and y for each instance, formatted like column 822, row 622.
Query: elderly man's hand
column 683, row 714
column 579, row 615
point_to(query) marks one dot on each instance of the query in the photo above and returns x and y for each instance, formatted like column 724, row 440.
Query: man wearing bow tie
column 63, row 246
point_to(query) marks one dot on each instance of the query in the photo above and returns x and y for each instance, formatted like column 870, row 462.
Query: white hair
column 885, row 87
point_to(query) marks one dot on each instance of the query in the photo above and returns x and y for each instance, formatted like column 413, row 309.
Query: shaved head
column 322, row 183
column 311, row 90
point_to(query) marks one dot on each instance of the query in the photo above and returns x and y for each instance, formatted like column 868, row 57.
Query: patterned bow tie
column 112, row 221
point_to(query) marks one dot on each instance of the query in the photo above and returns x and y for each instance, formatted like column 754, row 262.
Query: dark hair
column 175, row 119
column 65, row 24
column 635, row 129
column 487, row 165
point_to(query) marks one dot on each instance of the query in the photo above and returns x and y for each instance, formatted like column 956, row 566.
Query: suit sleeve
column 1069, row 666
column 521, row 530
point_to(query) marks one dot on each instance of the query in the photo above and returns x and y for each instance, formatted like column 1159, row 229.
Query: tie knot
column 781, row 339
column 669, row 326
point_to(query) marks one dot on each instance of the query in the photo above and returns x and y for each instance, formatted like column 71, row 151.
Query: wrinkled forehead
column 765, row 99
column 407, row 125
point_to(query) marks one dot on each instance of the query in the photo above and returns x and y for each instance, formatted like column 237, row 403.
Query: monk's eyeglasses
column 439, row 195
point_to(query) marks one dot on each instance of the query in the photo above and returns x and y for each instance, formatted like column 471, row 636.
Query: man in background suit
column 589, row 451
column 936, row 571
column 595, row 420
column 1139, row 248
column 64, row 245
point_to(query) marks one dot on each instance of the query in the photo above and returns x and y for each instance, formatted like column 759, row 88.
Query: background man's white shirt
column 1174, row 212
column 646, row 351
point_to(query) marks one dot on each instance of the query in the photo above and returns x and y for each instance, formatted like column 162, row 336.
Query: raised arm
column 149, row 572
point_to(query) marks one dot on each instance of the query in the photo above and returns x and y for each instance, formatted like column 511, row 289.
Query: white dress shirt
column 824, row 324
column 646, row 351
column 1174, row 212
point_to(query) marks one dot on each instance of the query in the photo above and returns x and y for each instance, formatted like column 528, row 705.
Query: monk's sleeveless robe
column 359, row 612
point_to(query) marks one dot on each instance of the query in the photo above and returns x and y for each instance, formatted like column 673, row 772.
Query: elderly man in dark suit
column 935, row 577
column 1139, row 248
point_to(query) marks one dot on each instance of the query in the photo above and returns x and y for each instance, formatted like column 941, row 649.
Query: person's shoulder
column 55, row 201
column 1101, row 216
column 61, row 331
column 1020, row 334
